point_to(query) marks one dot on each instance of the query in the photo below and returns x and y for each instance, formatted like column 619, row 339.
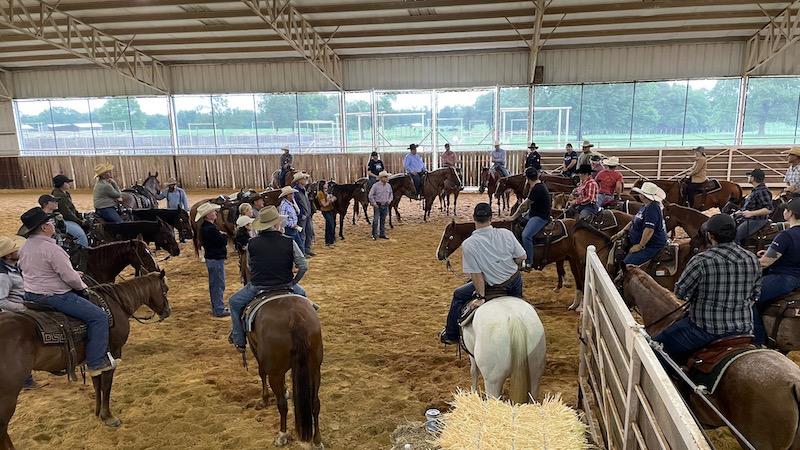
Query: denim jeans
column 372, row 180
column 604, row 199
column 239, row 301
column 463, row 294
column 417, row 179
column 748, row 227
column 77, row 232
column 772, row 287
column 501, row 167
column 534, row 225
column 78, row 307
column 307, row 235
column 684, row 337
column 330, row 226
column 587, row 210
column 295, row 235
column 281, row 176
column 216, row 284
column 110, row 214
column 641, row 256
column 379, row 213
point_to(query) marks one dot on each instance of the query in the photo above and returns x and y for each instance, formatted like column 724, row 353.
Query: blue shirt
column 499, row 156
column 787, row 243
column 413, row 163
column 176, row 199
column 649, row 216
column 286, row 208
column 568, row 158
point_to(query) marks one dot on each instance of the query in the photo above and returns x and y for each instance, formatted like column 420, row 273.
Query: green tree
column 279, row 108
column 771, row 100
column 120, row 110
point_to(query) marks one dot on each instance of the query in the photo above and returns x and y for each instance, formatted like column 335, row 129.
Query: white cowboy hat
column 244, row 220
column 587, row 144
column 203, row 211
column 286, row 190
column 651, row 191
column 268, row 217
column 102, row 168
column 384, row 174
column 171, row 181
column 8, row 246
column 612, row 161
column 286, row 149
column 496, row 143
column 298, row 176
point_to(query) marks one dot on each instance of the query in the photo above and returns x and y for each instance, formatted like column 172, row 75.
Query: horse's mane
column 583, row 224
column 115, row 244
column 127, row 292
column 640, row 280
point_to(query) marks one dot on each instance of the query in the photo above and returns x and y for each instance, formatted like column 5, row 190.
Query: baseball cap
column 482, row 210
column 44, row 198
column 720, row 224
column 794, row 205
column 758, row 174
column 59, row 180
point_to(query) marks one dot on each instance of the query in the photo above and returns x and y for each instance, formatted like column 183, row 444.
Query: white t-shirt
column 491, row 251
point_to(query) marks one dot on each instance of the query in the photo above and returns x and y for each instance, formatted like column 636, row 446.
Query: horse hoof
column 261, row 405
column 282, row 439
column 112, row 422
column 318, row 447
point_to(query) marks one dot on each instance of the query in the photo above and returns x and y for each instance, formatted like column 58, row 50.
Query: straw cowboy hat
column 299, row 176
column 651, row 191
column 244, row 220
column 203, row 211
column 171, row 181
column 384, row 174
column 587, row 144
column 612, row 161
column 793, row 151
column 286, row 190
column 8, row 246
column 286, row 149
column 267, row 218
column 102, row 168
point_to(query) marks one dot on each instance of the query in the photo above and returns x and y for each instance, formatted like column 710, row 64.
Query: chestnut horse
column 515, row 183
column 447, row 190
column 106, row 261
column 434, row 183
column 21, row 349
column 287, row 334
column 682, row 216
column 557, row 183
column 489, row 180
column 730, row 192
column 402, row 185
column 759, row 391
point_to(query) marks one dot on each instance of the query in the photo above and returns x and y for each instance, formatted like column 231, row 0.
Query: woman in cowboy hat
column 106, row 193
column 216, row 252
column 288, row 208
column 176, row 197
column 647, row 233
column 244, row 231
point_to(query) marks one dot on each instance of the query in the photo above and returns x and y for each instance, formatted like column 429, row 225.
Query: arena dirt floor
column 181, row 385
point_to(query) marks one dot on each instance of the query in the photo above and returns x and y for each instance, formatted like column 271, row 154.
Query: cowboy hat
column 31, row 219
column 298, row 176
column 171, row 181
column 384, row 174
column 793, row 151
column 612, row 161
column 286, row 149
column 584, row 168
column 8, row 246
column 286, row 190
column 203, row 211
column 267, row 218
column 59, row 180
column 496, row 143
column 244, row 220
column 411, row 146
column 252, row 199
column 587, row 144
column 533, row 145
column 651, row 191
column 102, row 168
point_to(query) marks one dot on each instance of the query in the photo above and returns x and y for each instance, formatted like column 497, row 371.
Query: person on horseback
column 534, row 159
column 585, row 158
column 72, row 218
column 271, row 257
column 756, row 209
column 414, row 166
column 570, row 162
column 215, row 245
column 792, row 178
column 647, row 233
column 176, row 196
column 286, row 165
column 585, row 203
column 499, row 159
column 720, row 285
column 449, row 157
column 106, row 193
column 491, row 258
column 50, row 280
column 374, row 168
column 539, row 211
column 609, row 182
column 697, row 175
column 782, row 263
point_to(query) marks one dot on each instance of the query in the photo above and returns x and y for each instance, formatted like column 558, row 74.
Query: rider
column 51, row 280
column 586, row 154
column 449, row 157
column 570, row 162
column 72, row 218
column 585, row 202
column 491, row 257
column 286, row 165
column 106, row 193
column 306, row 217
column 271, row 257
column 539, row 204
column 792, row 178
column 414, row 166
column 374, row 168
column 646, row 232
column 499, row 159
column 697, row 175
column 534, row 159
column 609, row 182
column 720, row 285
column 757, row 207
column 176, row 196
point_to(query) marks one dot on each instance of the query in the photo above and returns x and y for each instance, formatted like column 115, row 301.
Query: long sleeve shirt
column 449, row 158
column 499, row 156
column 286, row 208
column 286, row 161
column 12, row 291
column 380, row 194
column 698, row 171
column 105, row 193
column 413, row 163
column 47, row 267
column 792, row 177
column 587, row 192
column 65, row 206
column 760, row 197
column 175, row 199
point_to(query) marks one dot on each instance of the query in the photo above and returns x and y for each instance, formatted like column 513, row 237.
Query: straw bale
column 414, row 434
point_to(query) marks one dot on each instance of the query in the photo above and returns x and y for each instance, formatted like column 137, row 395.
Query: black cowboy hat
column 411, row 146
column 533, row 145
column 59, row 180
column 584, row 168
column 31, row 219
column 373, row 154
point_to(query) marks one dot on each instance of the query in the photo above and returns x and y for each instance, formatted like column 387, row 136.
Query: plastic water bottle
column 432, row 417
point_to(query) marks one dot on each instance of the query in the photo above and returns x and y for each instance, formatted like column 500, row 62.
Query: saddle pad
column 711, row 380
column 396, row 176
column 557, row 231
column 51, row 324
column 261, row 299
column 605, row 220
column 665, row 262
column 711, row 186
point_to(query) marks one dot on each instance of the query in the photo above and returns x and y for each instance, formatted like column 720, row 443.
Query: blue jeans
column 307, row 235
column 748, row 227
column 772, row 287
column 281, row 176
column 239, row 301
column 587, row 210
column 417, row 179
column 641, row 256
column 379, row 213
column 78, row 307
column 534, row 225
column 463, row 294
column 110, row 214
column 501, row 167
column 602, row 199
column 330, row 227
column 295, row 235
column 216, row 285
column 372, row 180
column 684, row 337
column 75, row 230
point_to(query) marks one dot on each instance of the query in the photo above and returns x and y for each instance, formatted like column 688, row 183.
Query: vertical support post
column 531, row 119
column 660, row 159
column 343, row 122
column 566, row 127
column 435, row 130
column 730, row 163
column 632, row 408
column 173, row 131
column 374, row 103
column 559, row 128
column 496, row 113
column 737, row 139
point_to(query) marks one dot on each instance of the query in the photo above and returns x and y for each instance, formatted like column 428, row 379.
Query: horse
column 344, row 193
column 274, row 184
column 177, row 218
column 402, row 185
column 106, row 261
column 21, row 348
column 362, row 198
column 286, row 334
column 489, row 180
column 152, row 186
column 729, row 191
column 434, row 183
column 156, row 231
column 506, row 338
column 516, row 183
column 758, row 392
column 557, row 183
column 687, row 218
column 142, row 196
column 447, row 190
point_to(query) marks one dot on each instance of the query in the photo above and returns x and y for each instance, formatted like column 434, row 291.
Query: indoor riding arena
column 208, row 97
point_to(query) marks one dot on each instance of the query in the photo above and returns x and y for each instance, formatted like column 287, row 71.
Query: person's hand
column 119, row 199
column 635, row 248
column 617, row 236
column 747, row 214
column 59, row 217
column 79, row 273
column 302, row 218
column 761, row 253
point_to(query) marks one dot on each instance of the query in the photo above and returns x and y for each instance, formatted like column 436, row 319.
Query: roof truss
column 776, row 36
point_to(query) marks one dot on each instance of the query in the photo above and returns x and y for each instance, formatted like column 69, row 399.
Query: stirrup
column 444, row 339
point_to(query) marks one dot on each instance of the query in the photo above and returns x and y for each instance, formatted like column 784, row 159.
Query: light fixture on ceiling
column 194, row 8
column 214, row 22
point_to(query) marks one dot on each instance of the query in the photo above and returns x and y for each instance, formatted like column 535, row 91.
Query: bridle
column 447, row 258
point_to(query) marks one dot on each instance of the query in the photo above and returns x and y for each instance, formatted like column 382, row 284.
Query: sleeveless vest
column 271, row 259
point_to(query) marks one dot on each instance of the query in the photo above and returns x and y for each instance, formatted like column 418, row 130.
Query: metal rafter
column 776, row 36
column 95, row 46
column 5, row 93
column 290, row 25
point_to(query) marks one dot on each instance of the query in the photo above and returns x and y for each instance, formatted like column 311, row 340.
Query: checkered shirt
column 760, row 197
column 721, row 284
column 587, row 192
column 792, row 177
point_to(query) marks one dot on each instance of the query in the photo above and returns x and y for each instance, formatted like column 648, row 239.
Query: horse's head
column 157, row 300
column 152, row 184
column 165, row 238
column 331, row 186
column 484, row 180
column 141, row 257
column 185, row 224
column 670, row 218
column 452, row 238
column 453, row 176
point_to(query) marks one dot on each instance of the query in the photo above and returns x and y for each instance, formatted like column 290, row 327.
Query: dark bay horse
column 107, row 261
column 402, row 185
column 729, row 192
column 433, row 185
column 21, row 349
column 344, row 193
column 286, row 335
column 156, row 231
column 758, row 393
column 557, row 183
column 489, row 180
column 515, row 183
column 177, row 218
column 447, row 190
column 682, row 216
column 362, row 199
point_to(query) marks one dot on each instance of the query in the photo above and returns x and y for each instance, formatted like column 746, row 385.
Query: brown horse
column 106, row 261
column 287, row 334
column 362, row 199
column 489, row 180
column 402, row 185
column 448, row 190
column 434, row 183
column 515, row 183
column 557, row 183
column 729, row 192
column 344, row 193
column 21, row 349
column 758, row 393
column 682, row 216
column 287, row 179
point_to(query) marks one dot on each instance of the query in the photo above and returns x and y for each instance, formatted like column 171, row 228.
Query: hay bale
column 489, row 424
column 415, row 434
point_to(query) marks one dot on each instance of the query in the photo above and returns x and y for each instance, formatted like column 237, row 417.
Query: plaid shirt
column 792, row 177
column 721, row 284
column 587, row 192
column 760, row 197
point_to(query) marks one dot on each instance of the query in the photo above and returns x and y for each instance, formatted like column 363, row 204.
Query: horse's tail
column 520, row 374
column 303, row 388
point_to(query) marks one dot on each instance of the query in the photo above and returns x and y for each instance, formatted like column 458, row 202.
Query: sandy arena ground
column 181, row 385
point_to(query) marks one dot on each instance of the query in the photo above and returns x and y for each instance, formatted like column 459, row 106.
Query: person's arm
column 391, row 193
column 5, row 286
column 618, row 188
column 59, row 261
column 768, row 257
column 66, row 211
column 323, row 200
column 299, row 262
column 371, row 196
column 184, row 200
column 163, row 194
column 572, row 163
column 406, row 165
column 479, row 282
column 758, row 212
column 646, row 235
column 521, row 207
column 688, row 283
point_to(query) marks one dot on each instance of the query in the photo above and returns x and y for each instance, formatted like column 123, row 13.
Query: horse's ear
column 156, row 175
column 139, row 237
column 149, row 174
column 162, row 274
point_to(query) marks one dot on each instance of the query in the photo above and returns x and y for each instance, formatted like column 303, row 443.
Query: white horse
column 506, row 338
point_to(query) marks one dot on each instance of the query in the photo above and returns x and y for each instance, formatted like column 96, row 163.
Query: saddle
column 761, row 239
column 555, row 231
column 708, row 187
column 262, row 298
column 140, row 197
column 467, row 313
column 707, row 366
column 665, row 262
column 604, row 220
column 777, row 312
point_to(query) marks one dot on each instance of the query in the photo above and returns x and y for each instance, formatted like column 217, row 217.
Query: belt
column 509, row 280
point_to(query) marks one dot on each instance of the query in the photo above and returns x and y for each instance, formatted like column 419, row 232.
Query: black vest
column 271, row 259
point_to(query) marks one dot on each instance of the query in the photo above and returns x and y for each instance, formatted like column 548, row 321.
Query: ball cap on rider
column 482, row 212
column 721, row 226
column 794, row 206
column 45, row 199
column 59, row 180
column 757, row 174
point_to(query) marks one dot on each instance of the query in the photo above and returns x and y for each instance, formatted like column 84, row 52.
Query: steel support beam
column 535, row 43
column 776, row 36
column 290, row 25
column 40, row 22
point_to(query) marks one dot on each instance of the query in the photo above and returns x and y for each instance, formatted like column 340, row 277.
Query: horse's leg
column 366, row 215
column 262, row 372
column 9, row 392
column 277, row 381
column 577, row 302
column 98, row 395
column 341, row 223
column 536, row 364
column 493, row 387
column 560, row 271
column 316, row 407
column 474, row 371
column 106, row 380
column 355, row 210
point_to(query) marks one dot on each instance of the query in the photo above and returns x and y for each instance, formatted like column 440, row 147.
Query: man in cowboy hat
column 374, row 168
column 257, row 202
column 647, row 233
column 586, row 154
column 176, row 196
column 757, row 207
column 585, row 203
column 696, row 176
column 306, row 215
column 215, row 245
column 499, row 159
column 792, row 178
column 73, row 220
column 271, row 257
column 534, row 159
column 286, row 165
column 51, row 280
column 106, row 193
column 414, row 166
column 609, row 182
column 288, row 207
column 380, row 195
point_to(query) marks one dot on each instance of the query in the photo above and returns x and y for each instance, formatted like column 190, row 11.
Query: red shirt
column 607, row 180
column 587, row 192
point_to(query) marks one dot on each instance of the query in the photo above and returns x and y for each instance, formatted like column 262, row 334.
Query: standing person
column 499, row 159
column 609, row 182
column 176, row 196
column 271, row 256
column 648, row 233
column 586, row 154
column 757, row 207
column 534, row 159
column 414, row 166
column 449, row 157
column 326, row 206
column 374, row 168
column 246, row 209
column 697, row 175
column 570, row 162
column 289, row 208
column 72, row 218
column 539, row 212
column 106, row 193
column 720, row 285
column 585, row 202
column 50, row 280
column 491, row 257
column 300, row 181
column 216, row 252
column 379, row 197
column 286, row 165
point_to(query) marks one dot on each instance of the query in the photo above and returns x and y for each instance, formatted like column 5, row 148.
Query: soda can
column 432, row 420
